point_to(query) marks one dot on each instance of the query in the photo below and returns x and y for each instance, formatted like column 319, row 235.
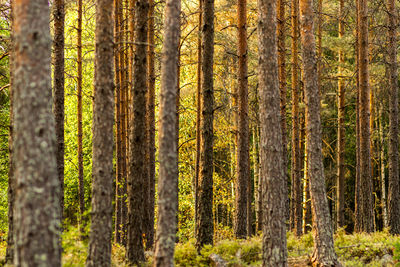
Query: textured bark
column 205, row 227
column 382, row 168
column 168, row 154
column 9, row 258
column 364, row 221
column 81, row 192
column 242, row 154
column 340, row 180
column 37, row 206
column 136, row 178
column 394, row 190
column 274, row 185
column 58, row 91
column 198, row 118
column 296, row 193
column 103, row 120
column 324, row 252
column 151, row 79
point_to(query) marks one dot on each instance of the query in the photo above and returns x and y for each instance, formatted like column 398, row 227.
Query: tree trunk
column 81, row 192
column 324, row 252
column 103, row 120
column 364, row 221
column 205, row 227
column 168, row 181
column 198, row 119
column 340, row 180
column 136, row 178
column 242, row 154
column 296, row 205
column 394, row 191
column 151, row 79
column 37, row 206
column 58, row 91
column 382, row 174
column 274, row 189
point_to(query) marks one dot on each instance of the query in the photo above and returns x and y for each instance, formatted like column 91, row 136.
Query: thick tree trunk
column 340, row 180
column 151, row 79
column 81, row 192
column 136, row 178
column 364, row 221
column 296, row 193
column 205, row 227
column 324, row 252
column 394, row 190
column 58, row 91
column 242, row 154
column 103, row 120
column 273, row 179
column 168, row 181
column 37, row 206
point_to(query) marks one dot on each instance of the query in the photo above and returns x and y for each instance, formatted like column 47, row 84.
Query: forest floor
column 377, row 249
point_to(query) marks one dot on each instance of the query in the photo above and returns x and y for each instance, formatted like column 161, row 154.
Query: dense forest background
column 331, row 70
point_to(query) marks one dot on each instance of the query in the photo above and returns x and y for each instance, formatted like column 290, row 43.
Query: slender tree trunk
column 103, row 120
column 11, row 179
column 296, row 207
column 324, row 252
column 151, row 79
column 81, row 192
column 394, row 191
column 274, row 189
column 58, row 91
column 136, row 178
column 364, row 221
column 242, row 154
column 205, row 227
column 198, row 119
column 382, row 174
column 37, row 203
column 340, row 180
column 168, row 181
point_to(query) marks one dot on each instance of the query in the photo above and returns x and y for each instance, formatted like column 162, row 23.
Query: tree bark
column 81, row 192
column 37, row 206
column 58, row 91
column 382, row 169
column 324, row 252
column 340, row 180
column 296, row 205
column 364, row 221
column 205, row 228
column 168, row 154
column 394, row 190
column 151, row 79
column 136, row 178
column 272, row 174
column 242, row 154
column 103, row 120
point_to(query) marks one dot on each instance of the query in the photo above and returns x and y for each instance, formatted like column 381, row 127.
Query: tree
column 168, row 153
column 364, row 219
column 81, row 192
column 272, row 174
column 340, row 181
column 394, row 190
column 136, row 177
column 151, row 80
column 103, row 120
column 242, row 154
column 205, row 227
column 296, row 207
column 324, row 252
column 58, row 90
column 37, row 206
